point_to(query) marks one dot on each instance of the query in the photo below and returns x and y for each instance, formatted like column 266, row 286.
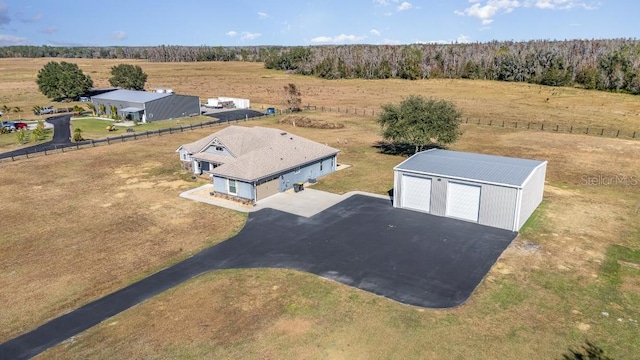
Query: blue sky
column 280, row 22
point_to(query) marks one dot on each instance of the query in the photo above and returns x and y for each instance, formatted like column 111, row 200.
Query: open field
column 484, row 100
column 91, row 221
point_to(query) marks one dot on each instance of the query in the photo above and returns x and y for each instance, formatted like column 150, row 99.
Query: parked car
column 20, row 125
column 47, row 110
column 84, row 99
column 8, row 126
column 271, row 110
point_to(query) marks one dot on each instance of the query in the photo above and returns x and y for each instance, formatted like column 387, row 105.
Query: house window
column 185, row 156
column 320, row 165
column 233, row 190
column 297, row 170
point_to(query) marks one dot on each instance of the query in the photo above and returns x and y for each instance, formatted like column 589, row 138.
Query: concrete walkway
column 306, row 203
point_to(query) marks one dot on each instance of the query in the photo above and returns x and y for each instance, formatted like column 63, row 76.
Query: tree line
column 610, row 64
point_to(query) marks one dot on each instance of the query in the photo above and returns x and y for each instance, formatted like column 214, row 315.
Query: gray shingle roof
column 131, row 96
column 259, row 152
column 471, row 166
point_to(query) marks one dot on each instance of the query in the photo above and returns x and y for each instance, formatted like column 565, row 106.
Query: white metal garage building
column 490, row 190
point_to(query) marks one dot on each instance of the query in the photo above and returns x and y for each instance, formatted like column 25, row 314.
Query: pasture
column 82, row 224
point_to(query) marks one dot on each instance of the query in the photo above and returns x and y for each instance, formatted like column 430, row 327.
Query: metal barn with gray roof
column 496, row 191
column 146, row 106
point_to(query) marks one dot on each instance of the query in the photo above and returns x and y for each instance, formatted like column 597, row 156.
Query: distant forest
column 612, row 65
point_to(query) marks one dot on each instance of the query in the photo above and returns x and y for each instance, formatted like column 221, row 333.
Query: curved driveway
column 61, row 137
column 364, row 242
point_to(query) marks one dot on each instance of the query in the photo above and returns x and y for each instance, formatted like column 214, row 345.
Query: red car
column 21, row 125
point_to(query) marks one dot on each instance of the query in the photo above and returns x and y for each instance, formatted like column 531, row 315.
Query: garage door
column 463, row 201
column 416, row 193
column 267, row 189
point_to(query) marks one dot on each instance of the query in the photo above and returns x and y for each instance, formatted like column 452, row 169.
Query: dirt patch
column 629, row 264
column 308, row 122
column 292, row 327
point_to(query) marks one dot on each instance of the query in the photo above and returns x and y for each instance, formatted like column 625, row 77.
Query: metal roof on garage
column 131, row 96
column 471, row 166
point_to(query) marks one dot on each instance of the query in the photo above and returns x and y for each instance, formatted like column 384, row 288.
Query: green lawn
column 96, row 128
column 9, row 141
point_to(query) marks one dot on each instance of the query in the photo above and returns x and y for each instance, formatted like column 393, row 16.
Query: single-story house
column 249, row 164
column 146, row 106
column 490, row 190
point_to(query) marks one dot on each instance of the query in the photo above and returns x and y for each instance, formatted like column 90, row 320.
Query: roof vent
column 283, row 133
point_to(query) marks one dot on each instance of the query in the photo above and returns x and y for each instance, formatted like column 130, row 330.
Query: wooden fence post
column 516, row 124
column 542, row 127
column 587, row 131
column 528, row 126
column 571, row 129
column 92, row 143
column 601, row 132
column 502, row 123
column 618, row 133
column 634, row 135
column 108, row 143
column 557, row 127
column 490, row 121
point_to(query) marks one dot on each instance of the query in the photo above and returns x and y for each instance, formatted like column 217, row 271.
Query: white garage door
column 463, row 201
column 416, row 193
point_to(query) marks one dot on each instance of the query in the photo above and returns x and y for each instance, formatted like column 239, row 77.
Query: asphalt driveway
column 406, row 256
column 61, row 137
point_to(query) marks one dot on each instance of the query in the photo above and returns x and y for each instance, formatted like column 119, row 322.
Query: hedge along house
column 250, row 164
column 490, row 190
column 148, row 106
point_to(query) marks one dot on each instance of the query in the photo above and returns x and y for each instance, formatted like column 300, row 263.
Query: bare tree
column 293, row 96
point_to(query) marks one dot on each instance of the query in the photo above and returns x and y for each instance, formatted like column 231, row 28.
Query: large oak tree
column 128, row 76
column 63, row 80
column 420, row 122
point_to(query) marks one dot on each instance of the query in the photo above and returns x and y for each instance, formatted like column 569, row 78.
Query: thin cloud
column 29, row 19
column 119, row 36
column 487, row 10
column 375, row 32
column 340, row 39
column 4, row 14
column 391, row 42
column 405, row 6
column 249, row 35
column 9, row 40
column 262, row 15
column 49, row 30
column 385, row 2
column 232, row 33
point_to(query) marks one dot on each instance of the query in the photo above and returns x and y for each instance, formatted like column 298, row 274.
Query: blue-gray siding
column 212, row 150
column 286, row 179
column 532, row 193
column 244, row 190
column 311, row 171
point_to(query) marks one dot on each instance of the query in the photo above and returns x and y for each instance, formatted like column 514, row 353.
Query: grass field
column 96, row 128
column 91, row 221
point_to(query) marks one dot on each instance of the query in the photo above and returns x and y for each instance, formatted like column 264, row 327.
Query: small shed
column 496, row 191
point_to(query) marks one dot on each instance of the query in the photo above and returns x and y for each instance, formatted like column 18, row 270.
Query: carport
column 132, row 113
